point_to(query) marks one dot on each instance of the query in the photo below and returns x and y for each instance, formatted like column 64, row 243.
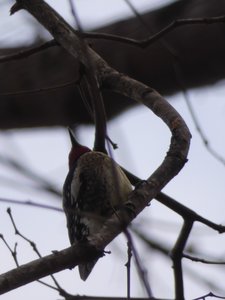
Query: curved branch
column 111, row 79
column 180, row 140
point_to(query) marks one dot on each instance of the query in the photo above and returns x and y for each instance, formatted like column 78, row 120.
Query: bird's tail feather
column 85, row 269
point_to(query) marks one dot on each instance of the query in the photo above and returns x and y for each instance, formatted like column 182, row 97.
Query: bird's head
column 76, row 150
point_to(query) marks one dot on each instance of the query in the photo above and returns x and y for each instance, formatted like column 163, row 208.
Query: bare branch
column 176, row 255
column 159, row 247
column 17, row 232
column 31, row 203
column 28, row 52
column 35, row 249
column 110, row 298
column 41, row 90
column 164, row 250
column 28, row 172
column 200, row 131
column 63, row 33
column 176, row 64
column 128, row 266
column 13, row 252
column 209, row 295
column 181, row 81
column 67, row 258
column 14, row 255
column 155, row 37
column 204, row 261
column 141, row 270
column 113, row 80
column 89, row 87
column 187, row 213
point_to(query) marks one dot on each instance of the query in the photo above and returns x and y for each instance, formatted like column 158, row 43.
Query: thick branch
column 111, row 79
column 139, row 198
column 64, row 34
column 67, row 258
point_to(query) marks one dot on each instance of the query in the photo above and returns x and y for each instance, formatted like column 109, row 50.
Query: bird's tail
column 85, row 269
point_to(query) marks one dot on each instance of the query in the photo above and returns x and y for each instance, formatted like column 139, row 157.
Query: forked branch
column 174, row 160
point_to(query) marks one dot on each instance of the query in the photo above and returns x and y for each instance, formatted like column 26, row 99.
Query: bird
column 94, row 188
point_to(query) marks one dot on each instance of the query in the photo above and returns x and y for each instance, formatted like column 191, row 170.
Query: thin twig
column 176, row 255
column 204, row 261
column 130, row 243
column 89, row 86
column 40, row 90
column 29, row 173
column 111, row 79
column 200, row 130
column 14, row 255
column 181, row 81
column 135, row 12
column 142, row 272
column 61, row 291
column 157, row 36
column 177, row 69
column 128, row 266
column 13, row 252
column 186, row 212
column 209, row 295
column 17, row 232
column 160, row 248
column 28, row 52
column 176, row 206
column 166, row 251
column 77, row 297
column 31, row 203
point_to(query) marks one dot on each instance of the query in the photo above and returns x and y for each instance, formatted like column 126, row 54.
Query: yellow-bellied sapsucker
column 94, row 188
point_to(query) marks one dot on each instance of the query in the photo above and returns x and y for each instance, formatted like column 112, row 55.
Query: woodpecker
column 94, row 188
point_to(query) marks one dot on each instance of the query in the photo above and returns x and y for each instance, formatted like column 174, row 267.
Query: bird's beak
column 72, row 137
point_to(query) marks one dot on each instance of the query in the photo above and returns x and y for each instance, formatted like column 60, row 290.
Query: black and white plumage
column 94, row 188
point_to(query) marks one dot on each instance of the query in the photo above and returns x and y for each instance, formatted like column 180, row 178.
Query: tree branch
column 198, row 69
column 155, row 37
column 67, row 258
column 111, row 79
column 31, row 203
column 174, row 161
column 110, row 298
column 177, row 254
column 28, row 52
